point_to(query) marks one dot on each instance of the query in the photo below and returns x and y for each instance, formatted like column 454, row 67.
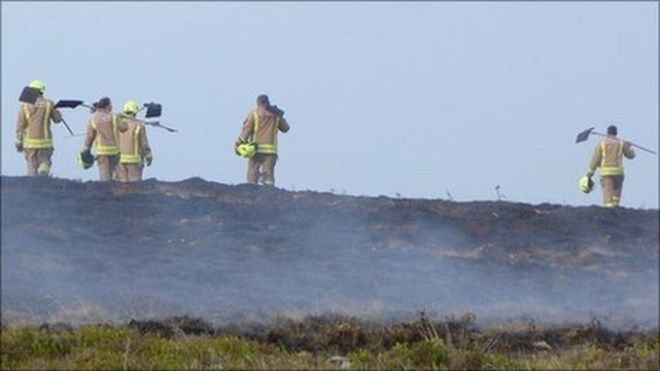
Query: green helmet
column 246, row 150
column 36, row 84
column 85, row 159
column 586, row 184
column 131, row 107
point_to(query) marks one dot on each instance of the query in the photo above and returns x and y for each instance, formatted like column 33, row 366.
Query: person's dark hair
column 263, row 100
column 611, row 130
column 103, row 103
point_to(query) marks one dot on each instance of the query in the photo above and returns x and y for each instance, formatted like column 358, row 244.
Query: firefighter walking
column 133, row 145
column 103, row 132
column 33, row 132
column 258, row 141
column 608, row 155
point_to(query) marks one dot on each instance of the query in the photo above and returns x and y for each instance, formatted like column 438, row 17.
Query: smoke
column 90, row 252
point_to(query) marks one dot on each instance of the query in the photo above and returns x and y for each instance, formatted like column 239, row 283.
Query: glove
column 19, row 146
column 149, row 159
column 239, row 141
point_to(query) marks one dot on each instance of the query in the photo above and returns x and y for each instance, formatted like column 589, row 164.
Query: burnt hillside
column 92, row 251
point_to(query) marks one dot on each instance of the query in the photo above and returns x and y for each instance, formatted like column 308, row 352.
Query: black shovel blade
column 153, row 110
column 276, row 111
column 584, row 135
column 68, row 103
column 29, row 95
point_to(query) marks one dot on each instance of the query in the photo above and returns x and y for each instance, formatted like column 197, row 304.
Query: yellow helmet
column 131, row 107
column 246, row 150
column 586, row 184
column 36, row 84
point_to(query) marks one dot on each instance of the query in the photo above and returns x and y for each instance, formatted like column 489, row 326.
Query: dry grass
column 325, row 342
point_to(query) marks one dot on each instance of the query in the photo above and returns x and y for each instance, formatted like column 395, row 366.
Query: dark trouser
column 107, row 165
column 38, row 161
column 612, row 187
column 262, row 166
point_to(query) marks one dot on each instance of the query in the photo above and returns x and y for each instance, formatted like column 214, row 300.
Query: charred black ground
column 92, row 252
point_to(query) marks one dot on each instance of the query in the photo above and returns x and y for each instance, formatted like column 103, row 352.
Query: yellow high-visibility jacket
column 261, row 127
column 33, row 124
column 608, row 155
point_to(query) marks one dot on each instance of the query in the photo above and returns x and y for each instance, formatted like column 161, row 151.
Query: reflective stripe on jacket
column 103, row 132
column 33, row 126
column 611, row 170
column 261, row 127
column 608, row 155
column 133, row 142
column 132, row 157
column 266, row 148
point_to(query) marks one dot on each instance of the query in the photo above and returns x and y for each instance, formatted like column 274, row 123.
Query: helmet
column 131, row 107
column 36, row 84
column 246, row 150
column 586, row 184
column 85, row 159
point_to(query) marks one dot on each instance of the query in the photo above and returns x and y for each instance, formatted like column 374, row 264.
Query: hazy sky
column 383, row 98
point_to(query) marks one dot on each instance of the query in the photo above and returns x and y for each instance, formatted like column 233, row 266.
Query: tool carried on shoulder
column 584, row 135
column 155, row 110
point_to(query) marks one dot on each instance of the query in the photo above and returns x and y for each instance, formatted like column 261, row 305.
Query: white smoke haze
column 88, row 252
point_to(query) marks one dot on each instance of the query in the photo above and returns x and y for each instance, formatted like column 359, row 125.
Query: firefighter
column 133, row 146
column 260, row 130
column 608, row 155
column 103, row 131
column 33, row 134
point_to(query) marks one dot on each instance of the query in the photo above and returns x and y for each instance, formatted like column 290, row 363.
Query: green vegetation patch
column 317, row 343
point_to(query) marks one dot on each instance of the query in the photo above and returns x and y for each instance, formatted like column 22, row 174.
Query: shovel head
column 153, row 110
column 276, row 111
column 29, row 95
column 584, row 135
column 67, row 103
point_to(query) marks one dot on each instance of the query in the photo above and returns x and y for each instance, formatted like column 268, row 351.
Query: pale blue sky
column 383, row 98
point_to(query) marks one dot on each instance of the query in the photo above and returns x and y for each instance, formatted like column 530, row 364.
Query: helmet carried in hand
column 85, row 159
column 246, row 150
column 586, row 184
